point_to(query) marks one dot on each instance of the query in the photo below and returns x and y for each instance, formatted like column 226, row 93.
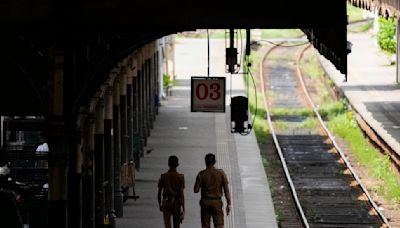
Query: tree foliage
column 387, row 35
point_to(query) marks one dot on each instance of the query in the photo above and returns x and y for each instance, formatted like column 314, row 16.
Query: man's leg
column 176, row 215
column 217, row 213
column 167, row 214
column 205, row 214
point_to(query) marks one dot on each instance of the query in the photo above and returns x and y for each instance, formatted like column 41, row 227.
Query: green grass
column 310, row 66
column 281, row 125
column 346, row 127
column 309, row 123
column 354, row 13
column 331, row 109
column 361, row 28
column 291, row 112
column 367, row 26
column 261, row 129
column 312, row 69
column 255, row 59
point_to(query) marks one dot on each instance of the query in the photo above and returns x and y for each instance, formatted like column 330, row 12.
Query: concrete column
column 151, row 94
column 88, row 184
column 136, row 121
column 58, row 150
column 143, row 105
column 146, row 101
column 157, row 80
column 135, row 105
column 170, row 57
column 123, row 113
column 140, row 98
column 143, row 97
column 149, row 97
column 109, row 156
column 99, row 165
column 129, row 100
column 57, row 175
column 150, row 88
column 161, row 66
column 140, row 103
column 118, row 198
column 75, row 182
column 155, row 84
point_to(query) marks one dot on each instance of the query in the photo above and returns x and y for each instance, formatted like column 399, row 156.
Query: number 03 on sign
column 207, row 94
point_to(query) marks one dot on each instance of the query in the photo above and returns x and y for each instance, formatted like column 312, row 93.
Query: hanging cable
column 208, row 53
column 241, row 50
column 256, row 108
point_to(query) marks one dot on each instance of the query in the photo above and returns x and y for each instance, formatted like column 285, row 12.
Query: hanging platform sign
column 207, row 94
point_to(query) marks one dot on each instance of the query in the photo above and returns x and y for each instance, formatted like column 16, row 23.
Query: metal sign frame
column 207, row 94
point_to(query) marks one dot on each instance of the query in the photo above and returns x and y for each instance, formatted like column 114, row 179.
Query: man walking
column 212, row 182
column 170, row 188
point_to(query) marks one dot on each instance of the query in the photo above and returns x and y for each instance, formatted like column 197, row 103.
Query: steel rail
column 354, row 174
column 283, row 161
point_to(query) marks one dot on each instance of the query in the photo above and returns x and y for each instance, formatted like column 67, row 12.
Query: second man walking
column 213, row 184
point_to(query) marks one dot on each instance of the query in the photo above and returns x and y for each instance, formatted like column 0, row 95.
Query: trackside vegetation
column 387, row 35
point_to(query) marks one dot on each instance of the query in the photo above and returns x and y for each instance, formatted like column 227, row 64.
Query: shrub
column 387, row 35
column 166, row 80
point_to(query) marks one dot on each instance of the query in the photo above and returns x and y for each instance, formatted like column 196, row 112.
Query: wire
column 241, row 50
column 231, row 87
column 255, row 94
column 208, row 54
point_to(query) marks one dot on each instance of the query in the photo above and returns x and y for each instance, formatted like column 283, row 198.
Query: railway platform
column 191, row 135
column 371, row 88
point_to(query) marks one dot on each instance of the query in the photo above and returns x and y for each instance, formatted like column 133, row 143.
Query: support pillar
column 99, row 165
column 151, row 94
column 109, row 156
column 57, row 175
column 157, row 83
column 123, row 110
column 75, row 183
column 140, row 108
column 143, row 96
column 136, row 121
column 88, row 185
column 56, row 137
column 118, row 197
column 129, row 100
column 147, row 103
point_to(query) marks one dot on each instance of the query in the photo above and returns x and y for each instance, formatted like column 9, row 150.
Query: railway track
column 325, row 189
